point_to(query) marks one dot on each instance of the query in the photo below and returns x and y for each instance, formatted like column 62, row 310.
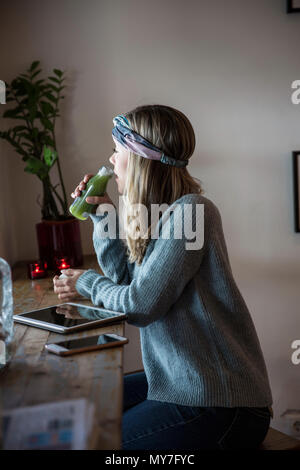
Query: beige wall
column 229, row 67
column 8, row 236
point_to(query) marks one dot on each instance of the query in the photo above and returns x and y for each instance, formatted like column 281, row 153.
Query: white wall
column 228, row 66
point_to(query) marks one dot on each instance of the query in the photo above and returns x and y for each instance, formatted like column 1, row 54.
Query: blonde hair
column 152, row 182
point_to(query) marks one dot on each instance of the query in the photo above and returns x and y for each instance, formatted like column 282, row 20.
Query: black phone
column 91, row 343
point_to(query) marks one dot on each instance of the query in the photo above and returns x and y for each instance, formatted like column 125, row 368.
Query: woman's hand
column 65, row 287
column 92, row 199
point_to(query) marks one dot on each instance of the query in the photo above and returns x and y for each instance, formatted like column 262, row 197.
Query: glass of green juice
column 96, row 186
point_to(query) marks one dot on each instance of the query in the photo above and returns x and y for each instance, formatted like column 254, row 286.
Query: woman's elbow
column 143, row 317
column 139, row 319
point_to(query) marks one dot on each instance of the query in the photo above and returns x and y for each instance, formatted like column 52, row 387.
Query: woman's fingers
column 65, row 289
column 62, row 294
column 62, row 282
column 105, row 199
column 95, row 200
column 87, row 177
column 63, row 286
column 77, row 191
column 81, row 186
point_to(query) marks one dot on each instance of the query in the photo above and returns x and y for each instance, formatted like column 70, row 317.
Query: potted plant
column 36, row 108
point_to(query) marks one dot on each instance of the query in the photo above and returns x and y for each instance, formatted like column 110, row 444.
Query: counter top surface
column 35, row 376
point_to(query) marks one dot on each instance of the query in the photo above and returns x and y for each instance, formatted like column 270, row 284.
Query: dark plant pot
column 60, row 239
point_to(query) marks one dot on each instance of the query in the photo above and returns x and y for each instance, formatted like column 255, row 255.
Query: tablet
column 69, row 317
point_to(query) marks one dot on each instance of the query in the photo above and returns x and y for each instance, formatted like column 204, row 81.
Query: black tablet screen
column 68, row 315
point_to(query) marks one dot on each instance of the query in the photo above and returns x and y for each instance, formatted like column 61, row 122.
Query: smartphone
column 91, row 343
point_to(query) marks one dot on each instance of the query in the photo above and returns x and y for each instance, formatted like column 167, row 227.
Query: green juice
column 96, row 186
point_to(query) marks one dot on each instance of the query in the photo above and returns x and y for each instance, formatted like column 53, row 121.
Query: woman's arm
column 159, row 282
column 111, row 252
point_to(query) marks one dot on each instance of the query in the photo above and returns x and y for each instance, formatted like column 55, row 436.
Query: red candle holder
column 63, row 263
column 37, row 269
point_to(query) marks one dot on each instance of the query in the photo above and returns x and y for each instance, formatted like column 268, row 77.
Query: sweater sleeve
column 158, row 283
column 110, row 250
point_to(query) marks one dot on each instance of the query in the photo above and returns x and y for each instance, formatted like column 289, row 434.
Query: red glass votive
column 37, row 269
column 62, row 263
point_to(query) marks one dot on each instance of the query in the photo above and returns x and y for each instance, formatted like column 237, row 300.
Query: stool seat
column 276, row 440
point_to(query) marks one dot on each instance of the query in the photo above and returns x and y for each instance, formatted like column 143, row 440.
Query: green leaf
column 32, row 112
column 54, row 88
column 14, row 83
column 28, row 145
column 43, row 137
column 54, row 80
column 35, row 74
column 51, row 97
column 37, row 167
column 22, row 87
column 38, row 82
column 23, row 103
column 23, row 82
column 12, row 113
column 46, row 123
column 34, row 65
column 26, row 136
column 47, row 108
column 22, row 152
column 21, row 92
column 58, row 72
column 20, row 118
column 20, row 128
column 35, row 132
column 49, row 156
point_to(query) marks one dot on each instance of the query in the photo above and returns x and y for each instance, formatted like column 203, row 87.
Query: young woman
column 205, row 384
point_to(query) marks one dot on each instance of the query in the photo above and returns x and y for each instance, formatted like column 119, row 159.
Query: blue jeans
column 154, row 425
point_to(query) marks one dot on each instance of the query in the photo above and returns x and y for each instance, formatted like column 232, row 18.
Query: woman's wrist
column 85, row 281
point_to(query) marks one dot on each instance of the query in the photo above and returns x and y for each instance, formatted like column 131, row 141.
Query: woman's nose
column 111, row 159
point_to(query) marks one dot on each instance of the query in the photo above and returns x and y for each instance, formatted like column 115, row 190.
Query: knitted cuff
column 85, row 282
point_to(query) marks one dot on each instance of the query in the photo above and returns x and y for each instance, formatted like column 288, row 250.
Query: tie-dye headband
column 123, row 133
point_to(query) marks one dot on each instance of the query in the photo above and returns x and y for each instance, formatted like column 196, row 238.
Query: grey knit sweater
column 199, row 344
